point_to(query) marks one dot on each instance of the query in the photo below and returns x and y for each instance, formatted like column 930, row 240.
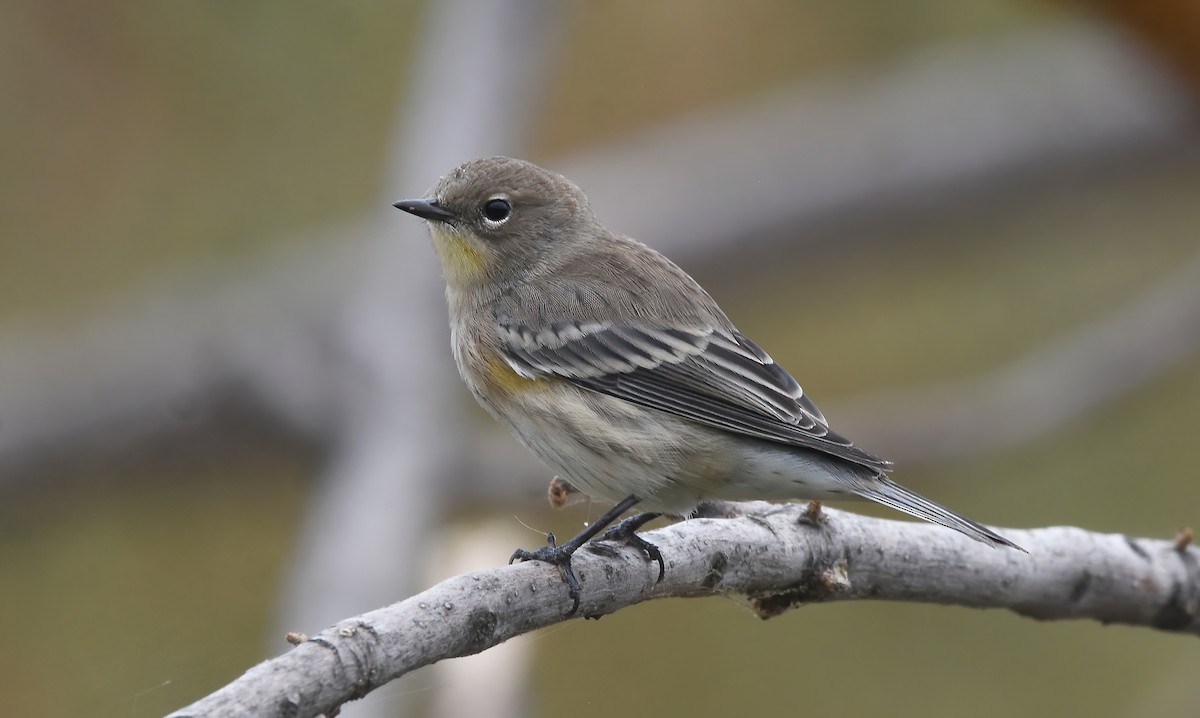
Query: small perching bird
column 620, row 372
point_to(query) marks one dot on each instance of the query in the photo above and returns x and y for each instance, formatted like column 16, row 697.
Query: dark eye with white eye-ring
column 497, row 210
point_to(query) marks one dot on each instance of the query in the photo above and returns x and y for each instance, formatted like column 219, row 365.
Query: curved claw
column 625, row 532
column 651, row 552
column 526, row 555
column 559, row 556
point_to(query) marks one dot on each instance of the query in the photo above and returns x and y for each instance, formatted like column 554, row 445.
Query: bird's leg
column 561, row 555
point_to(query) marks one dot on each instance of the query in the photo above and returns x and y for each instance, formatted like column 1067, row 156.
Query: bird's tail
column 883, row 490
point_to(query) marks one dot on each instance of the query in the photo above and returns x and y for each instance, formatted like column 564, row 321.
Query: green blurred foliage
column 140, row 137
column 129, row 590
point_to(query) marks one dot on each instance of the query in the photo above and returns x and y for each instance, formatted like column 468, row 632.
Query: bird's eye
column 497, row 210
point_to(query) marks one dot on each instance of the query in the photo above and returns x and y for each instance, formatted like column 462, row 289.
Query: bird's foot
column 625, row 532
column 559, row 556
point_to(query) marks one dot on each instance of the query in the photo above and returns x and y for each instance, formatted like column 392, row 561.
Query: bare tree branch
column 773, row 557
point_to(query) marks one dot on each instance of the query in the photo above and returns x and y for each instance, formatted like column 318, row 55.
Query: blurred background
column 228, row 407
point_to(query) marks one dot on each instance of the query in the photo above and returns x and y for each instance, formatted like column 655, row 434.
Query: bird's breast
column 492, row 380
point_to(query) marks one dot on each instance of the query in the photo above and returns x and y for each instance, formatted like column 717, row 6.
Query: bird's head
column 496, row 220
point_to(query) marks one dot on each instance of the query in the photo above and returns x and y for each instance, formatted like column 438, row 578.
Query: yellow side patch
column 503, row 378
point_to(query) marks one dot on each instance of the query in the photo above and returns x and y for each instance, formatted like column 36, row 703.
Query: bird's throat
column 463, row 264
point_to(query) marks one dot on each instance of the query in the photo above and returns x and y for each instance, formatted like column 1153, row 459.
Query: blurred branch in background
column 1049, row 387
column 951, row 118
column 273, row 337
column 475, row 82
column 1076, row 92
column 343, row 342
column 770, row 558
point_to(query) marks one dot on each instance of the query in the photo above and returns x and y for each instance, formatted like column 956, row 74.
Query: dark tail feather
column 885, row 491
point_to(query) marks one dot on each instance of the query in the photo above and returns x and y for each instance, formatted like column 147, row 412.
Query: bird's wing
column 711, row 375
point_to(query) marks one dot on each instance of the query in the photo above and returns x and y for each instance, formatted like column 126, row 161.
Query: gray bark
column 772, row 557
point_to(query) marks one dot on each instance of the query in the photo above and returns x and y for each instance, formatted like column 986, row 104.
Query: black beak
column 425, row 209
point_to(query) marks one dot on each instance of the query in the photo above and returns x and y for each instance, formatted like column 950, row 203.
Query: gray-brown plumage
column 617, row 369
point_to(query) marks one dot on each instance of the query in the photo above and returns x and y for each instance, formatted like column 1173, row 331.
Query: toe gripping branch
column 624, row 532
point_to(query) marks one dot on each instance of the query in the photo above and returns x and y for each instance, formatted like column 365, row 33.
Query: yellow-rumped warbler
column 620, row 372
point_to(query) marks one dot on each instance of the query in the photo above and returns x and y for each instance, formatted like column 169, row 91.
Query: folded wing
column 714, row 376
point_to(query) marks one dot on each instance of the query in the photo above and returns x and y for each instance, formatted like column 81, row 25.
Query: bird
column 621, row 373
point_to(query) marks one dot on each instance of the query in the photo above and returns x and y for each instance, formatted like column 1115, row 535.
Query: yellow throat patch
column 461, row 262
